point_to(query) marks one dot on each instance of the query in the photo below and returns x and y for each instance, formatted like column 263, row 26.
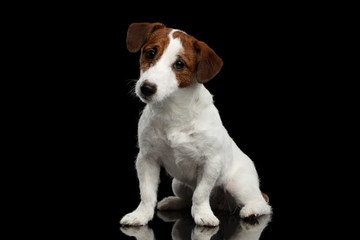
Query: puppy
column 180, row 129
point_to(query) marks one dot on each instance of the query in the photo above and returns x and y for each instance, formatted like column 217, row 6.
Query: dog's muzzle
column 148, row 89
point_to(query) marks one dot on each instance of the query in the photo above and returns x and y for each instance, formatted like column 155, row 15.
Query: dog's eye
column 150, row 54
column 179, row 65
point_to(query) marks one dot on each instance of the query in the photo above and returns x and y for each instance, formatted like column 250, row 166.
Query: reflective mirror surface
column 183, row 227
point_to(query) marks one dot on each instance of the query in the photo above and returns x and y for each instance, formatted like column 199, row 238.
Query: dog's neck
column 184, row 104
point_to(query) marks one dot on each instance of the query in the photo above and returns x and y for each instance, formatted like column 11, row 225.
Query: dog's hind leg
column 181, row 200
column 244, row 187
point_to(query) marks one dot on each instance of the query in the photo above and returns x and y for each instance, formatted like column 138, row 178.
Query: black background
column 270, row 93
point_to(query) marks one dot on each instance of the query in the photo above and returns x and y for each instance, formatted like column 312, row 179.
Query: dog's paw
column 207, row 219
column 136, row 218
column 255, row 209
column 173, row 203
column 204, row 217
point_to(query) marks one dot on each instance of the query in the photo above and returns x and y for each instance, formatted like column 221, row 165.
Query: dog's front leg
column 201, row 210
column 148, row 171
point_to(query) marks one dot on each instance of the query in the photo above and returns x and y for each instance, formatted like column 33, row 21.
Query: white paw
column 172, row 203
column 136, row 218
column 255, row 209
column 204, row 217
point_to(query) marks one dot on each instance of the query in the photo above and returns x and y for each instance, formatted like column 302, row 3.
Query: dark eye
column 179, row 65
column 150, row 54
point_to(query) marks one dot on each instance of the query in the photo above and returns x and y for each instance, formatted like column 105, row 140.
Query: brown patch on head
column 157, row 43
column 201, row 62
column 139, row 33
column 186, row 76
column 152, row 37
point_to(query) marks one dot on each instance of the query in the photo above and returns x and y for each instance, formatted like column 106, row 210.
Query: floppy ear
column 139, row 33
column 208, row 63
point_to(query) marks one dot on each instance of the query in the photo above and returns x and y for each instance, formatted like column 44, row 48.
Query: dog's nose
column 148, row 88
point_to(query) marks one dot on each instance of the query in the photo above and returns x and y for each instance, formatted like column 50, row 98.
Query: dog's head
column 170, row 60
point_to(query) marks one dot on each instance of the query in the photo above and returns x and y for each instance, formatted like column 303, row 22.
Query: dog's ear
column 208, row 62
column 139, row 33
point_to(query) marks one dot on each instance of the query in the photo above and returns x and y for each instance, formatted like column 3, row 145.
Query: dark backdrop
column 267, row 94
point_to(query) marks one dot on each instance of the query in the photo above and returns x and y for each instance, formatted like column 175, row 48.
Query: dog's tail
column 265, row 196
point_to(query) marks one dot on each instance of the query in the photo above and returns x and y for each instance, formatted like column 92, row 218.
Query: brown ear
column 138, row 34
column 209, row 64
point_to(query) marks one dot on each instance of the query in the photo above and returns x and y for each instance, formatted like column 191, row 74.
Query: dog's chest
column 182, row 142
column 178, row 147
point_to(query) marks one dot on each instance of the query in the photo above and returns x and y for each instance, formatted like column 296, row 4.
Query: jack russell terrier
column 180, row 129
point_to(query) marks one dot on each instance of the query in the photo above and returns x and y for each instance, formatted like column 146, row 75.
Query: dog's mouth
column 144, row 99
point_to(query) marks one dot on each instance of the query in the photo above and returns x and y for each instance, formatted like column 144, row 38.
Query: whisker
column 132, row 89
column 128, row 81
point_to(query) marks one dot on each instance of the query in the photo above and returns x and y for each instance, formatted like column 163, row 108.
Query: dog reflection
column 139, row 232
column 184, row 228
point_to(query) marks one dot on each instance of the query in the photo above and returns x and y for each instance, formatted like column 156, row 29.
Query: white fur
column 183, row 226
column 181, row 130
column 161, row 73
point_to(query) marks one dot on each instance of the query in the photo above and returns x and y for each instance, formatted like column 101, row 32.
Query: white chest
column 177, row 148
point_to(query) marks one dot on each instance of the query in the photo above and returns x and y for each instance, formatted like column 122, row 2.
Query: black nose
column 148, row 89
